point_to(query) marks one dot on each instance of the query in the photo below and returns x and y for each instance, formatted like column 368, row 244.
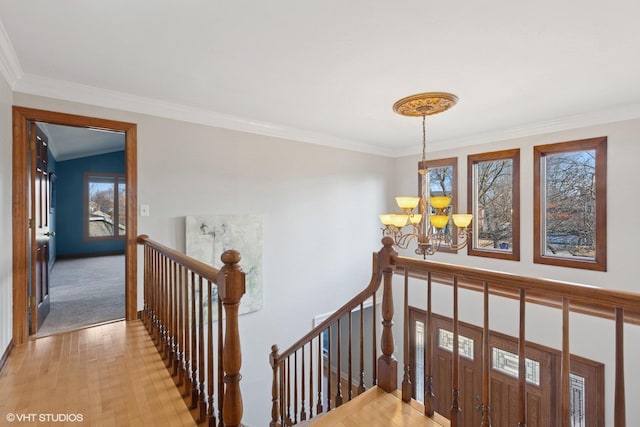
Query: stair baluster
column 522, row 370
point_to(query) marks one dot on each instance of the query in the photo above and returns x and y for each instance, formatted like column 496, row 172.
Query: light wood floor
column 111, row 375
column 376, row 408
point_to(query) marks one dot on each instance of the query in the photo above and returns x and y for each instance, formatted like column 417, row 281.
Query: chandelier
column 430, row 224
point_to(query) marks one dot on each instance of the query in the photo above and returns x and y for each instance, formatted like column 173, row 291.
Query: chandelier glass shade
column 427, row 218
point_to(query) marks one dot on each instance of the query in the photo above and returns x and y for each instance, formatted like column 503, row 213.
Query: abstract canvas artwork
column 208, row 236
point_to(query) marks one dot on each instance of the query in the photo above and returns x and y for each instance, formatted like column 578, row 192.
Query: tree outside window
column 494, row 180
column 105, row 206
column 441, row 180
column 570, row 204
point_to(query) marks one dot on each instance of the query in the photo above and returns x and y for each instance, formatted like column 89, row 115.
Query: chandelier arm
column 400, row 239
column 405, row 239
column 465, row 235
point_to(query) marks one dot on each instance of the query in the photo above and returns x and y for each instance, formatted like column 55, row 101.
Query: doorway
column 22, row 266
column 87, row 205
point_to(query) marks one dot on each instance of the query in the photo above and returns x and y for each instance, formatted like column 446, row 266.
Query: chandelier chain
column 424, row 137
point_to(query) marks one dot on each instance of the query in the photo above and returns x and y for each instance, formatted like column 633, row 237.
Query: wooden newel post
column 387, row 364
column 231, row 281
column 275, row 408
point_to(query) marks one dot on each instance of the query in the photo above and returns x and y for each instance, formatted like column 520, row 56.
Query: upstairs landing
column 376, row 408
column 108, row 375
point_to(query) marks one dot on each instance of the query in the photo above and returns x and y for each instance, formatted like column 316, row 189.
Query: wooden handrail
column 590, row 300
column 352, row 304
column 578, row 292
column 203, row 270
column 178, row 291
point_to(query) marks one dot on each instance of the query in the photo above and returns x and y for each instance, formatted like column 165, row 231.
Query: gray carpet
column 84, row 292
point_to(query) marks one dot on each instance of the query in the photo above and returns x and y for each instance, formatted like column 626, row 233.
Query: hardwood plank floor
column 110, row 375
column 375, row 407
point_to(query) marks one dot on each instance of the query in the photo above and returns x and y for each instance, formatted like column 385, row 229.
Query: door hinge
column 30, row 222
column 32, row 301
column 32, row 144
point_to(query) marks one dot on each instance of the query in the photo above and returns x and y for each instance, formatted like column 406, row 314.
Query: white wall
column 6, row 260
column 319, row 208
column 591, row 338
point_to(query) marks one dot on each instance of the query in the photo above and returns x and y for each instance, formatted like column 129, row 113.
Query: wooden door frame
column 21, row 117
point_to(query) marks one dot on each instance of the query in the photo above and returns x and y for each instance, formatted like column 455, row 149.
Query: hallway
column 109, row 375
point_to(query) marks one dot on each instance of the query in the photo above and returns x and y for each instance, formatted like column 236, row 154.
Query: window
column 105, row 206
column 570, row 204
column 418, row 346
column 465, row 344
column 494, row 198
column 509, row 364
column 441, row 180
column 577, row 399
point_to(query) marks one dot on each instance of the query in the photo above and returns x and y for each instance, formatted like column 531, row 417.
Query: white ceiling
column 329, row 71
column 68, row 142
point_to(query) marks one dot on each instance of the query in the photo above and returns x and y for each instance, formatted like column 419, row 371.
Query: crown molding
column 594, row 118
column 75, row 92
column 10, row 68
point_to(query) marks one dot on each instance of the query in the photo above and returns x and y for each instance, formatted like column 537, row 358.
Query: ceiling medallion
column 425, row 104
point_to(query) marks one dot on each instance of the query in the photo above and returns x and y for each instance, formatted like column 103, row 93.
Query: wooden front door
column 39, row 301
column 542, row 373
column 470, row 384
column 541, row 393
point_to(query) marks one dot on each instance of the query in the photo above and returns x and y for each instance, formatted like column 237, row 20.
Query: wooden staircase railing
column 187, row 321
column 622, row 307
column 305, row 383
column 302, row 377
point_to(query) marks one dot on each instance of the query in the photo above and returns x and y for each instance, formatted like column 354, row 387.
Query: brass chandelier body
column 429, row 223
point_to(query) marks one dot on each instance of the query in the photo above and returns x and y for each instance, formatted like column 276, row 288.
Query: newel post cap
column 387, row 255
column 230, row 256
column 232, row 284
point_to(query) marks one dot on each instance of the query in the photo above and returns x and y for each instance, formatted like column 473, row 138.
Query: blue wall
column 70, row 204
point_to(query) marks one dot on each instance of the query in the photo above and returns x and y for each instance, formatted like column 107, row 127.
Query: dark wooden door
column 470, row 377
column 543, row 376
column 540, row 402
column 39, row 302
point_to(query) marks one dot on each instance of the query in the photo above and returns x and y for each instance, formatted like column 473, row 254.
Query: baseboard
column 5, row 355
column 91, row 255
